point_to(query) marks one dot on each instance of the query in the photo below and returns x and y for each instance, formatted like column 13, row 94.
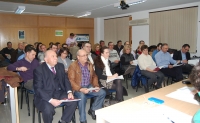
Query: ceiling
column 99, row 8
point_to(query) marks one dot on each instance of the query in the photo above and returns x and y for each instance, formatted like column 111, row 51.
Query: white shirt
column 145, row 61
column 90, row 58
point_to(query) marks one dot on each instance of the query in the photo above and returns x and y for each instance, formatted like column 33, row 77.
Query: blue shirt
column 21, row 57
column 164, row 59
column 183, row 56
column 154, row 53
column 85, row 75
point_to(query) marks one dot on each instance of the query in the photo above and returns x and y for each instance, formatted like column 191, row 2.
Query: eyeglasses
column 83, row 55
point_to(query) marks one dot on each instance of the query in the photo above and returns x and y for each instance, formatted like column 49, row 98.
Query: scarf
column 105, row 62
column 97, row 52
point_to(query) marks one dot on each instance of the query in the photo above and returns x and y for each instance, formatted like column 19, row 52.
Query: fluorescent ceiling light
column 84, row 14
column 130, row 2
column 20, row 9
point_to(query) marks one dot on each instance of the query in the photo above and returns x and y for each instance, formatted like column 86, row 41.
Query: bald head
column 82, row 56
column 50, row 58
column 20, row 45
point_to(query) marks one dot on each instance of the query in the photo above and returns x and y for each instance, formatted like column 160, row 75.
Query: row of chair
column 27, row 92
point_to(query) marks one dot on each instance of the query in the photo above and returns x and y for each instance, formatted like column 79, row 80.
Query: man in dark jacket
column 183, row 55
column 6, row 52
column 118, row 47
column 16, row 53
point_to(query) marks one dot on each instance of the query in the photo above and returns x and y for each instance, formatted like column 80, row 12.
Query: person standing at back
column 71, row 39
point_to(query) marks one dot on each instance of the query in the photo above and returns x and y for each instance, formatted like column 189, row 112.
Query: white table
column 124, row 112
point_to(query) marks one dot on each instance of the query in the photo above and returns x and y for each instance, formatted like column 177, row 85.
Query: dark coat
column 178, row 56
column 44, row 84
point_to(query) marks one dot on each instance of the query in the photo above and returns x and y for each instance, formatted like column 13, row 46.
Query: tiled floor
column 24, row 118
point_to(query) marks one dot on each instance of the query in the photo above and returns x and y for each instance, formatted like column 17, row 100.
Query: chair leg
column 138, row 82
column 28, row 107
column 74, row 118
column 22, row 96
column 167, row 80
column 127, row 81
column 39, row 117
column 33, row 118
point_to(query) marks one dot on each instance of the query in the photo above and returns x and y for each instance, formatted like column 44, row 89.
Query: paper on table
column 158, row 114
column 193, row 62
column 184, row 94
column 119, row 77
column 70, row 100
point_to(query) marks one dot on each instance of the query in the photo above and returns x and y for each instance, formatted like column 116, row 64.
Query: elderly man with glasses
column 82, row 77
column 183, row 55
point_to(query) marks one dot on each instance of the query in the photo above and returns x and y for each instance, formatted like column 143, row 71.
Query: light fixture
column 84, row 14
column 20, row 9
column 128, row 3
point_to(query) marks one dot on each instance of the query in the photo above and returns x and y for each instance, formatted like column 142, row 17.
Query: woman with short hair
column 62, row 58
column 126, row 60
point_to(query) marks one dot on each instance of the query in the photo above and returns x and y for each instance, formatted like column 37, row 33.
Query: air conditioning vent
column 139, row 22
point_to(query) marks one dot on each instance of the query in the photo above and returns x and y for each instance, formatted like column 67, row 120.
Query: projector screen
column 82, row 37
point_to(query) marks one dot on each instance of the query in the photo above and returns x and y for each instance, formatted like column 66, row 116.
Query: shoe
column 62, row 122
column 84, row 122
column 92, row 114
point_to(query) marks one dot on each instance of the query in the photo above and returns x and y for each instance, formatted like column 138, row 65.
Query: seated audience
column 38, row 49
column 127, row 61
column 113, row 57
column 138, row 50
column 54, row 47
column 164, row 60
column 73, row 50
column 62, row 58
column 69, row 54
column 35, row 45
column 195, row 80
column 82, row 77
column 146, row 64
column 16, row 53
column 41, row 54
column 87, row 48
column 102, row 43
column 51, row 85
column 183, row 55
column 23, row 55
column 26, row 66
column 118, row 47
column 104, row 72
column 6, row 52
column 59, row 46
column 96, row 49
column 125, row 44
column 51, row 43
column 156, row 51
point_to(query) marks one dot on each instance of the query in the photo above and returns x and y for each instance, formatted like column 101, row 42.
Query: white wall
column 142, row 32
